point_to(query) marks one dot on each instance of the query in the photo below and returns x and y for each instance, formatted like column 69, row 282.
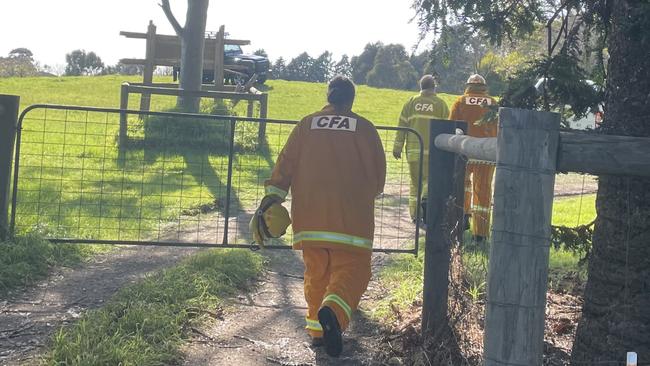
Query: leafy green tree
column 278, row 70
column 343, row 67
column 78, row 63
column 615, row 311
column 23, row 53
column 299, row 67
column 261, row 52
column 392, row 69
column 362, row 64
column 384, row 72
column 421, row 62
column 19, row 63
column 321, row 69
column 408, row 76
column 123, row 69
column 453, row 57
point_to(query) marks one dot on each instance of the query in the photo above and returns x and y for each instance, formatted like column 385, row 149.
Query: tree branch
column 172, row 19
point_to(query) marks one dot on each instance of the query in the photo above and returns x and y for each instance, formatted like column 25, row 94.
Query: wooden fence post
column 437, row 245
column 219, row 58
column 264, row 110
column 149, row 66
column 9, row 105
column 124, row 104
column 250, row 109
column 521, row 236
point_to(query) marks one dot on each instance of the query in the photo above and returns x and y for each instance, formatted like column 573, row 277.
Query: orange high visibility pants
column 335, row 278
column 478, row 196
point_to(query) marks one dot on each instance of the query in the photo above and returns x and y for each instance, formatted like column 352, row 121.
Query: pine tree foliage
column 606, row 41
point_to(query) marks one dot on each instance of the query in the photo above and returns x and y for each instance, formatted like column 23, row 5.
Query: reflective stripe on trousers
column 333, row 237
column 313, row 325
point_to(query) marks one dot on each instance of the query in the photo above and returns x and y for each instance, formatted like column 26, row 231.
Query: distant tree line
column 451, row 58
column 20, row 63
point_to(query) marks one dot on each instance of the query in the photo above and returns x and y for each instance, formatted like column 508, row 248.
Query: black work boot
column 317, row 341
column 331, row 331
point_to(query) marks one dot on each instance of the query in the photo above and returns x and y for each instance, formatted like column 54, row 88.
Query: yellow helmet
column 269, row 221
column 476, row 79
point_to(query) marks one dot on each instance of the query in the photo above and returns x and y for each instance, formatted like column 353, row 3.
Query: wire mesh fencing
column 178, row 179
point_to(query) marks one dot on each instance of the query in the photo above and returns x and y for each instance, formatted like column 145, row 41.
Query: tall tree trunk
column 616, row 311
column 192, row 46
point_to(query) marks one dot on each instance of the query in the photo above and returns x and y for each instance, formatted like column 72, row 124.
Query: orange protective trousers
column 478, row 196
column 335, row 278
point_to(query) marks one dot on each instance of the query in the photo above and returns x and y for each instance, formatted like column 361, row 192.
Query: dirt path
column 29, row 318
column 267, row 327
column 272, row 319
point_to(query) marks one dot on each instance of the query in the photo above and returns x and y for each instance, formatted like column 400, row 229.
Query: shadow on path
column 267, row 327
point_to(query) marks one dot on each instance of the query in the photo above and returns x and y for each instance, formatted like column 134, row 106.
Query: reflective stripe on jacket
column 335, row 165
column 416, row 114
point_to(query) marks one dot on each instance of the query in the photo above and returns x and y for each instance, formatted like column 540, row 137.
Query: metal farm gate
column 177, row 180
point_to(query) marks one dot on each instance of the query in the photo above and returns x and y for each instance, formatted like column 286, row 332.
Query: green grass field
column 75, row 181
column 287, row 99
column 404, row 273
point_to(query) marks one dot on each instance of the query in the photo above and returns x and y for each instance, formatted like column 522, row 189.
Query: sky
column 286, row 28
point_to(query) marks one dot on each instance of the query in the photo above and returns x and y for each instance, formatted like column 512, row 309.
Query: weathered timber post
column 124, row 105
column 219, row 58
column 8, row 123
column 149, row 66
column 521, row 236
column 437, row 247
column 250, row 109
column 264, row 109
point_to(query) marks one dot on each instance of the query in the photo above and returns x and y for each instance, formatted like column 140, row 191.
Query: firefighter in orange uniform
column 471, row 107
column 335, row 166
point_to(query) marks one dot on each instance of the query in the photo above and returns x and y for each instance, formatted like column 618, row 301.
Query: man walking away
column 335, row 165
column 417, row 114
column 471, row 108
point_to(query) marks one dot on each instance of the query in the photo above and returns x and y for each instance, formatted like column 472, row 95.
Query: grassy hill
column 138, row 189
column 287, row 99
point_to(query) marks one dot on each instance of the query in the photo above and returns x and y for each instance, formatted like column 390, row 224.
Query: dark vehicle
column 238, row 67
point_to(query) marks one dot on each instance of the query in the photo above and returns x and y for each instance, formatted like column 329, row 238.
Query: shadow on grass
column 170, row 147
column 168, row 172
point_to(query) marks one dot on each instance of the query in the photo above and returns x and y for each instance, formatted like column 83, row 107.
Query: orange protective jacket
column 469, row 108
column 335, row 165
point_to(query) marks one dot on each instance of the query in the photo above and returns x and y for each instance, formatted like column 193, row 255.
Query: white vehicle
column 588, row 122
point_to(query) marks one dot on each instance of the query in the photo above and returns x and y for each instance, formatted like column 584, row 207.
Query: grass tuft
column 25, row 259
column 145, row 323
column 404, row 274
